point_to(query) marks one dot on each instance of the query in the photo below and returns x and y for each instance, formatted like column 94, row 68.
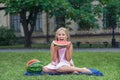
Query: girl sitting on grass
column 62, row 55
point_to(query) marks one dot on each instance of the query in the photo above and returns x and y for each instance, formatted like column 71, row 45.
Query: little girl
column 62, row 56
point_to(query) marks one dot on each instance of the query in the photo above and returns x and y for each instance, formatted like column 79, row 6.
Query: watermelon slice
column 60, row 43
column 32, row 61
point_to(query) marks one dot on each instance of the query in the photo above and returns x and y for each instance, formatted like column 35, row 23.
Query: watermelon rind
column 35, row 67
column 57, row 43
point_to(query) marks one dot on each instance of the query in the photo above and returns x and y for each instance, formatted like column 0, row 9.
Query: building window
column 78, row 20
column 55, row 25
column 59, row 22
column 104, row 20
column 15, row 22
column 38, row 26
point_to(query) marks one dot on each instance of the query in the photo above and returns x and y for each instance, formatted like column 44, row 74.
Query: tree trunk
column 28, row 30
column 47, row 29
column 27, row 35
column 27, row 41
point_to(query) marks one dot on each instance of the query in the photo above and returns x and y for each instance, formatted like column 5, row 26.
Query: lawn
column 12, row 65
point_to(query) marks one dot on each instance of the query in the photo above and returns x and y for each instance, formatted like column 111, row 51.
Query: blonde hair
column 66, row 32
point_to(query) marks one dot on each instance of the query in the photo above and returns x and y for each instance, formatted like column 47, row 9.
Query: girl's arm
column 69, row 51
column 53, row 52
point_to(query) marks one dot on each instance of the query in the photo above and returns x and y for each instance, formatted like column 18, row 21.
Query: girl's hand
column 56, row 46
column 53, row 63
column 68, row 46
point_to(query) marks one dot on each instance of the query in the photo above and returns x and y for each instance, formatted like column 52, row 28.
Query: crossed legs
column 72, row 69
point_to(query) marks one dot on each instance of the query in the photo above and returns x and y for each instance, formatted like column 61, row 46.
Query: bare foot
column 75, row 72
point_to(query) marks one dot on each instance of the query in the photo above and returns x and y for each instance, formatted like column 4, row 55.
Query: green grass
column 12, row 65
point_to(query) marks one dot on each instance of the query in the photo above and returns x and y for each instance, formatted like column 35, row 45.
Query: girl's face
column 61, row 36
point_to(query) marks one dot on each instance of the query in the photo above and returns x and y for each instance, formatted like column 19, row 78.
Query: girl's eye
column 59, row 34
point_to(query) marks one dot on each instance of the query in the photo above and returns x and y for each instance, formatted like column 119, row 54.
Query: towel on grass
column 94, row 73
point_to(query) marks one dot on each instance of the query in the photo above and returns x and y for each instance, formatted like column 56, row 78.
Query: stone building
column 39, row 35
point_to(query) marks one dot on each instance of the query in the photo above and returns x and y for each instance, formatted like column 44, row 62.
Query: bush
column 7, row 36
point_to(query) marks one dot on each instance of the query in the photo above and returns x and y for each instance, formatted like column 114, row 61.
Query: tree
column 86, row 11
column 111, row 9
column 28, row 10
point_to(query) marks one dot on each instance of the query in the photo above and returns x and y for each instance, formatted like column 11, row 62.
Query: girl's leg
column 48, row 70
column 73, row 69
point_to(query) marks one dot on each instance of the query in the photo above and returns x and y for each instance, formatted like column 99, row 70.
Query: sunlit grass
column 12, row 65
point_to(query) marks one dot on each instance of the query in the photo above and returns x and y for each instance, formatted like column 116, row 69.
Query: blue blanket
column 94, row 73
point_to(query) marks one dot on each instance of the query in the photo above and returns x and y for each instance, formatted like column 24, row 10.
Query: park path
column 76, row 50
